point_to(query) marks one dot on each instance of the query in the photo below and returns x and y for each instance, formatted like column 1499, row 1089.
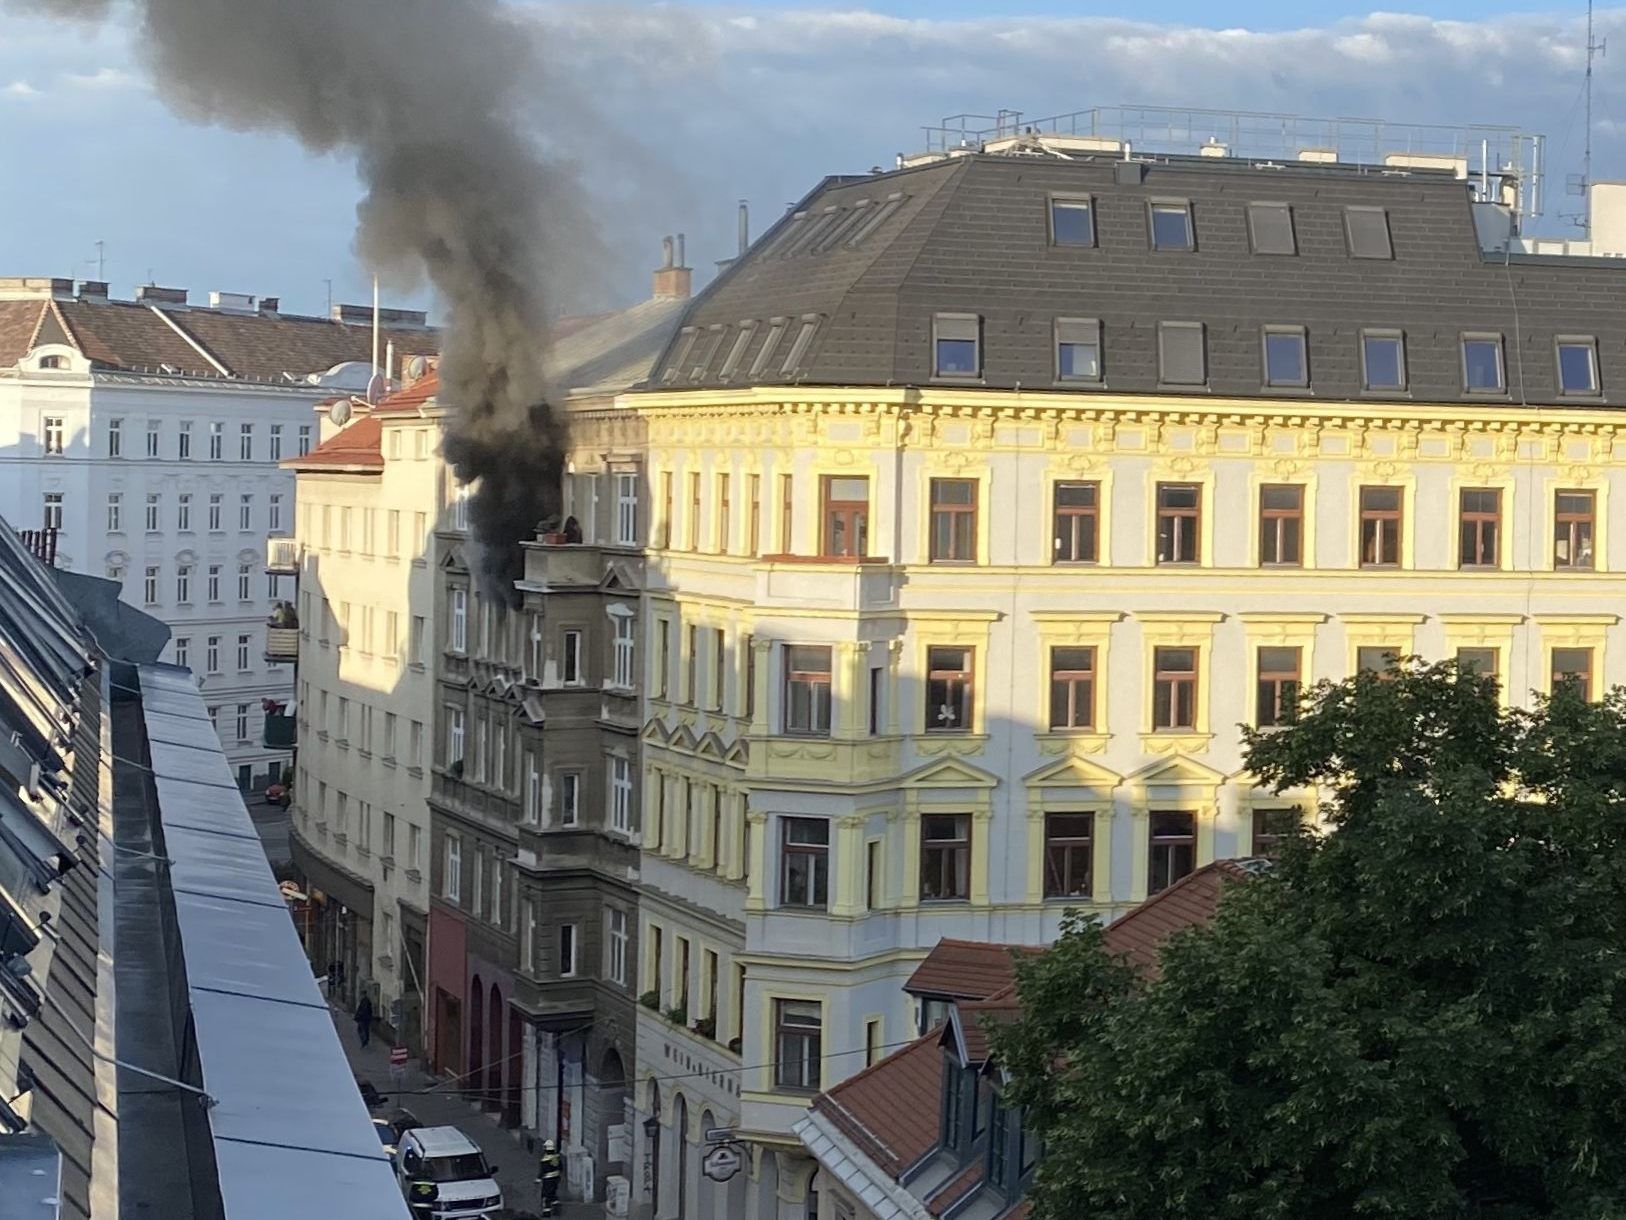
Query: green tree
column 1420, row 1014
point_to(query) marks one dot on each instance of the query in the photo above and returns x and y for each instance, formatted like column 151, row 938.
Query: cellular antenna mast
column 1594, row 48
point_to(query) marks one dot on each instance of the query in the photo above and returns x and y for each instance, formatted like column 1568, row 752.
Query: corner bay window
column 945, row 856
column 1278, row 691
column 1179, row 521
column 1573, row 519
column 1174, row 688
column 1172, row 848
column 1480, row 519
column 1072, row 688
column 846, row 517
column 953, row 521
column 1380, row 527
column 807, row 689
column 1077, row 522
column 1068, row 854
column 798, row 1044
column 804, row 879
column 948, row 690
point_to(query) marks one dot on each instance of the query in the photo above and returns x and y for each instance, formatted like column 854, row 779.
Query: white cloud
column 102, row 78
column 20, row 89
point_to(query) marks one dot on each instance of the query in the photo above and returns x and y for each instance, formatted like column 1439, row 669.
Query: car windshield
column 469, row 1167
column 386, row 1134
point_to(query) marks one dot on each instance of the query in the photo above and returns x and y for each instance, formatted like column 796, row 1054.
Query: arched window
column 53, row 362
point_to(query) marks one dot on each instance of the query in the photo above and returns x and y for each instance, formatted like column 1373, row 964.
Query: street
column 437, row 1106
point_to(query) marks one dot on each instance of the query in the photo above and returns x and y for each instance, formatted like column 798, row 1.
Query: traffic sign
column 398, row 1056
column 721, row 1135
column 722, row 1162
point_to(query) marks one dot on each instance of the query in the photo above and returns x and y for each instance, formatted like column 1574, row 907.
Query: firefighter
column 421, row 1197
column 548, row 1173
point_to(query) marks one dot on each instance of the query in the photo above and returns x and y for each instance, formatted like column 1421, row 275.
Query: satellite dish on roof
column 377, row 386
column 339, row 412
column 417, row 367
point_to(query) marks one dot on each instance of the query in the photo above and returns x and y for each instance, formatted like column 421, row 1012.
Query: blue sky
column 674, row 111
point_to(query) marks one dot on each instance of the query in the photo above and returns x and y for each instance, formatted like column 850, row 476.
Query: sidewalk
column 515, row 1166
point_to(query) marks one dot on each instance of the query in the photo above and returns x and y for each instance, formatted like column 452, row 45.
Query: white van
column 455, row 1164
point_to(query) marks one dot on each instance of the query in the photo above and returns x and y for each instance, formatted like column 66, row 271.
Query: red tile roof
column 408, row 400
column 18, row 321
column 956, row 1188
column 966, row 969
column 1190, row 902
column 890, row 1109
column 361, row 444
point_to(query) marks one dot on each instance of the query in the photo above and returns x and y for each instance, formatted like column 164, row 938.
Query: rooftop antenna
column 101, row 260
column 1594, row 48
column 329, row 284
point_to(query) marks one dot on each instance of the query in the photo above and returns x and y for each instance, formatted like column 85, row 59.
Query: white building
column 148, row 434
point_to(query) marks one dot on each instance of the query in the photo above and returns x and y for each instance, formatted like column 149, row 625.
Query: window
column 1277, row 695
column 953, row 521
column 1173, row 848
column 273, row 519
column 1481, row 661
column 626, row 509
column 567, row 950
column 1179, row 522
column 245, row 512
column 1376, row 659
column 1171, row 226
column 115, row 438
column 451, row 881
column 454, row 736
column 244, row 589
column 1479, row 527
column 244, row 642
column 798, row 1044
column 183, row 583
column 807, row 690
column 798, row 349
column 1072, row 688
column 1078, row 349
column 787, row 514
column 719, row 668
column 1573, row 665
column 1577, row 365
column 214, row 582
column 1271, row 828
column 53, row 510
column 1383, row 360
column 621, row 795
column 998, row 1144
column 874, row 1044
column 183, row 441
column 245, row 442
column 846, row 517
column 1368, row 232
column 1286, row 361
column 305, row 439
column 415, row 639
column 115, row 573
column 149, row 587
column 1174, row 688
column 570, row 797
column 154, row 429
column 1270, row 228
column 736, row 351
column 1180, row 353
column 211, row 655
column 615, row 965
column 54, row 434
column 1573, row 520
column 753, row 520
column 948, row 690
column 183, row 511
column 622, row 654
column 724, row 517
column 152, row 514
column 1380, row 527
column 1281, row 524
column 945, row 856
column 1482, row 370
column 694, row 510
column 804, row 869
column 1072, row 222
column 183, row 651
column 460, row 620
column 242, row 722
column 872, row 875
column 956, row 343
column 570, row 660
column 1069, row 853
column 276, row 443
column 217, row 441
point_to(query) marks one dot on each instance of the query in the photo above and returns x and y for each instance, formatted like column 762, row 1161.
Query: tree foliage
column 1421, row 1013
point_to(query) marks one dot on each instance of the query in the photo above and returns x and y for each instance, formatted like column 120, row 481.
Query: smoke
column 429, row 97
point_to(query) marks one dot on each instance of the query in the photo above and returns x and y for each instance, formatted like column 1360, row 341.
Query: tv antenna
column 1594, row 49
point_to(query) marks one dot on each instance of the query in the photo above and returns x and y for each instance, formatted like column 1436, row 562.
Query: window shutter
column 1270, row 225
column 1180, row 353
column 1368, row 230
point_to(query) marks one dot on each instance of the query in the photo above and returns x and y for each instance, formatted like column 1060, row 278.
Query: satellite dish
column 377, row 387
column 417, row 367
column 339, row 412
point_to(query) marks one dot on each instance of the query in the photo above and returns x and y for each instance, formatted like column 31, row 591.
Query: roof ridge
column 924, row 1038
column 1213, row 866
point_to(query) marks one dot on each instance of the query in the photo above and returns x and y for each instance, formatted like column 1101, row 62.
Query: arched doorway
column 652, row 1138
column 516, row 1067
column 680, row 1155
column 495, row 1061
column 477, row 1039
column 611, row 1102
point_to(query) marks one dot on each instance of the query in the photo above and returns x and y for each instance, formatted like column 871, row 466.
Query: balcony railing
column 282, row 645
column 281, row 732
column 282, row 556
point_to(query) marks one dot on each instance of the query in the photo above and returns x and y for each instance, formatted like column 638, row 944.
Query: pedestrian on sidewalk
column 548, row 1172
column 364, row 1019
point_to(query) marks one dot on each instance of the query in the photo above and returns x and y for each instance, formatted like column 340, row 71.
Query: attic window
column 799, row 349
column 878, row 218
column 792, row 233
column 680, row 357
column 956, row 344
column 812, row 231
column 731, row 362
column 1180, row 355
column 1577, row 364
column 1483, row 371
column 848, row 223
column 704, row 352
column 1072, row 222
column 53, row 362
column 1368, row 232
column 776, row 331
column 1270, row 228
column 1285, row 361
column 1078, row 349
column 1171, row 226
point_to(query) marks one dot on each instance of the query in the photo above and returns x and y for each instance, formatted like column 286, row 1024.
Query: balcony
column 554, row 564
column 281, row 732
column 282, row 635
column 282, row 556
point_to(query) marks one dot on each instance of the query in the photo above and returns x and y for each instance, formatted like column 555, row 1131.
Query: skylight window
column 956, row 344
column 737, row 351
column 1383, row 360
column 1072, row 222
column 680, row 358
column 1577, row 364
column 877, row 218
column 705, row 350
column 1078, row 349
column 854, row 216
column 1368, row 232
column 812, row 231
column 1171, row 227
column 1286, row 361
column 798, row 349
column 776, row 331
column 1482, row 367
column 1180, row 353
column 1270, row 228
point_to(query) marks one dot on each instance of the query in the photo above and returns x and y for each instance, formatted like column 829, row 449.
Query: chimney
column 269, row 306
column 745, row 227
column 93, row 290
column 35, row 288
column 673, row 281
column 152, row 294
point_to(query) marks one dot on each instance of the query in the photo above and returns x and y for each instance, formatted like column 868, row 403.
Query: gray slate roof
column 971, row 235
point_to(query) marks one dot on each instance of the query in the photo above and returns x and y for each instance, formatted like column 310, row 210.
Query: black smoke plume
column 427, row 95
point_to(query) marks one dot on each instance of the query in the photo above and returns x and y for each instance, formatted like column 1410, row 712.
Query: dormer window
column 1171, row 226
column 1483, row 370
column 53, row 362
column 1072, row 222
column 956, row 344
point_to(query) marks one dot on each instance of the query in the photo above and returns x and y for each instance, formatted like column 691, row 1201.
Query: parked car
column 468, row 1188
column 387, row 1135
